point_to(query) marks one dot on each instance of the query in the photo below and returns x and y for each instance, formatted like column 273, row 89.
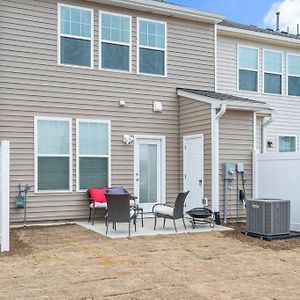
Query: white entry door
column 193, row 170
column 149, row 171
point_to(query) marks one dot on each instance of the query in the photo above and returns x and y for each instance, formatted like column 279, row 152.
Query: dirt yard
column 69, row 262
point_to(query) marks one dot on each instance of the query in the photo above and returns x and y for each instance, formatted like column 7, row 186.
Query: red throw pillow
column 98, row 195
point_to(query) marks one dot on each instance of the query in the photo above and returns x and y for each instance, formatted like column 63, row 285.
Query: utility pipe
column 263, row 134
column 221, row 112
column 215, row 159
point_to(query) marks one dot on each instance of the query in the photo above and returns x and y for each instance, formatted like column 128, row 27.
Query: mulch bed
column 237, row 234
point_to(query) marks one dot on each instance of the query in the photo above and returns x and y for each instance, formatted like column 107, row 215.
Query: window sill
column 151, row 75
column 75, row 66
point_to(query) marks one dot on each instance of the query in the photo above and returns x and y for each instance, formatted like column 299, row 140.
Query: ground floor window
column 287, row 143
column 93, row 153
column 53, row 154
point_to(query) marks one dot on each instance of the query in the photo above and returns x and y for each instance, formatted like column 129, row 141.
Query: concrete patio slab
column 147, row 230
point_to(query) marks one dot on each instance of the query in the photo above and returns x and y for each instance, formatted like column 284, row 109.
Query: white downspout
column 263, row 135
column 215, row 117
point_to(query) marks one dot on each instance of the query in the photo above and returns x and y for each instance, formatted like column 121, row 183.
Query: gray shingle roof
column 257, row 29
column 222, row 96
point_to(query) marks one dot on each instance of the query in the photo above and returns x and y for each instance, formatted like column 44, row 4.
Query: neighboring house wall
column 236, row 145
column 195, row 118
column 287, row 108
column 32, row 84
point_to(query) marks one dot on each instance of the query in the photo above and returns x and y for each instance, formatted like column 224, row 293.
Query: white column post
column 4, row 195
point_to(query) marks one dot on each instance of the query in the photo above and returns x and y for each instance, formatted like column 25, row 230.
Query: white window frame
column 165, row 50
column 36, row 155
column 98, row 156
column 59, row 35
column 101, row 12
column 275, row 73
column 238, row 68
column 288, row 74
column 287, row 135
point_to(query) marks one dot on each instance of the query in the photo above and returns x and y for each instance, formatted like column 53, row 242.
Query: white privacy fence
column 277, row 175
column 4, row 196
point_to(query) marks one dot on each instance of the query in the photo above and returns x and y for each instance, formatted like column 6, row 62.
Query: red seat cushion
column 98, row 195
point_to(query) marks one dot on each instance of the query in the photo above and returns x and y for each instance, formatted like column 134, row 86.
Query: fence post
column 4, row 195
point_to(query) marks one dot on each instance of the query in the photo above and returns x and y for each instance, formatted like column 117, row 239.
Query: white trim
column 164, row 8
column 254, row 70
column 129, row 44
column 191, row 137
column 36, row 155
column 108, row 156
column 288, row 75
column 275, row 73
column 163, row 163
column 216, row 56
column 234, row 105
column 59, row 34
column 165, row 50
column 214, row 161
column 287, row 135
column 4, row 195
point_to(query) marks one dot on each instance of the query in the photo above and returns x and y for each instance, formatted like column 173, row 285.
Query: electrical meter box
column 229, row 170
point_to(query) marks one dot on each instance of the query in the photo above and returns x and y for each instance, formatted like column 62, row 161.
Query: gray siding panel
column 195, row 118
column 236, row 145
column 32, row 84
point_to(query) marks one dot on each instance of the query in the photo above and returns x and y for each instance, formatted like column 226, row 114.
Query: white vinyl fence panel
column 4, row 196
column 277, row 175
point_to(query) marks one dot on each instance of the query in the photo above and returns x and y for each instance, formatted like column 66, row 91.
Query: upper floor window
column 272, row 72
column 248, row 69
column 53, row 154
column 293, row 75
column 115, row 37
column 93, row 138
column 152, row 47
column 287, row 143
column 75, row 36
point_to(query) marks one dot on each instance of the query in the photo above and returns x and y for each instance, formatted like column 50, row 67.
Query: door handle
column 200, row 182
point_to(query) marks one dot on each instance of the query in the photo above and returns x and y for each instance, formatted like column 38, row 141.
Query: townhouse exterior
column 79, row 75
column 135, row 93
column 269, row 61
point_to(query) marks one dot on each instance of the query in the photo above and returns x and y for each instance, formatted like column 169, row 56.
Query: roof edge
column 164, row 8
column 257, row 35
column 216, row 103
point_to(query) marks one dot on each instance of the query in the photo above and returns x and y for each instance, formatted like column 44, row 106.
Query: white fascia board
column 258, row 36
column 166, row 9
column 216, row 103
column 245, row 106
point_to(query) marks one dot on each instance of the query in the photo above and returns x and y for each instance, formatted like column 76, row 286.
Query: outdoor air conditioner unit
column 268, row 216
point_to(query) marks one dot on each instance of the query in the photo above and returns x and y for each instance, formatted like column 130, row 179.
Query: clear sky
column 254, row 12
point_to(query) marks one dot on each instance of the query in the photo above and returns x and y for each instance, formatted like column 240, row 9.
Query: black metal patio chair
column 119, row 211
column 169, row 212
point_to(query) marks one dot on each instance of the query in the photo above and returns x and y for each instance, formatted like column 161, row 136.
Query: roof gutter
column 263, row 132
column 163, row 8
column 248, row 34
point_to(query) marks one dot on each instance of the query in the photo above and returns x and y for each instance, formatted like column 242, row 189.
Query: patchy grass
column 70, row 262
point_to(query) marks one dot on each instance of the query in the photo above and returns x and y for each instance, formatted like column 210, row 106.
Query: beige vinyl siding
column 287, row 109
column 32, row 84
column 195, row 118
column 236, row 145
